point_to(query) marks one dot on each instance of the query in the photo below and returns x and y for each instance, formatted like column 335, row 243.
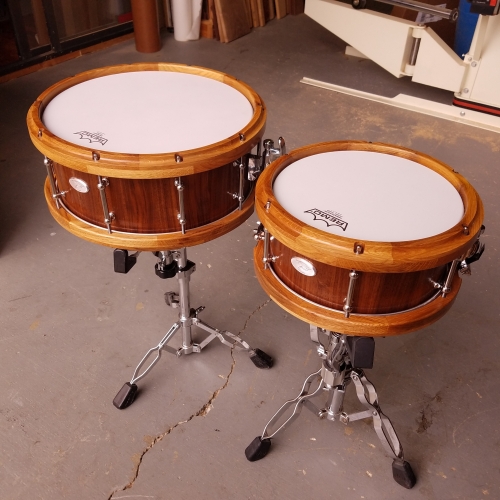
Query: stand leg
column 259, row 447
column 182, row 269
column 259, row 358
column 367, row 395
column 127, row 394
column 335, row 374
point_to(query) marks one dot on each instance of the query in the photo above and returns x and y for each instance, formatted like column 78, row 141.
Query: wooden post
column 146, row 28
column 40, row 22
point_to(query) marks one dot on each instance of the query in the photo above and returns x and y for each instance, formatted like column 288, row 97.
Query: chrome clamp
column 473, row 255
column 257, row 163
column 270, row 152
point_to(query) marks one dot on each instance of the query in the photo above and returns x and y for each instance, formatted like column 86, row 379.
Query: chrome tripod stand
column 343, row 359
column 175, row 264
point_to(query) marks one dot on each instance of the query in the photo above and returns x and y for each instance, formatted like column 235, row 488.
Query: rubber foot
column 126, row 396
column 403, row 474
column 257, row 449
column 260, row 359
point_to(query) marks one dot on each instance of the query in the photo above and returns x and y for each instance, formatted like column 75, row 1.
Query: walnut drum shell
column 141, row 189
column 395, row 289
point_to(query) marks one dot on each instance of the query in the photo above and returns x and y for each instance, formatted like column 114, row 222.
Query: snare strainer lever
column 257, row 163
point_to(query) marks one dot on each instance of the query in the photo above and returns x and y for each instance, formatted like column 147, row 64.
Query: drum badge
column 92, row 136
column 328, row 217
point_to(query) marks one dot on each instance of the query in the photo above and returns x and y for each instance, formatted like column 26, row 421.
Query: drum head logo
column 328, row 217
column 92, row 136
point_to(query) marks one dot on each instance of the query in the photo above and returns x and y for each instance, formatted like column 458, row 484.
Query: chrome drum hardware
column 473, row 254
column 343, row 359
column 176, row 264
column 102, row 184
column 463, row 264
column 353, row 276
column 261, row 233
column 257, row 163
column 270, row 152
column 240, row 195
column 181, row 215
column 56, row 194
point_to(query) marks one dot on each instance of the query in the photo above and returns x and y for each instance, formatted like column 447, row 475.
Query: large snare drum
column 148, row 156
column 363, row 238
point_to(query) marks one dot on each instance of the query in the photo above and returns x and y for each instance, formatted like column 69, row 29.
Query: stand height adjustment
column 166, row 267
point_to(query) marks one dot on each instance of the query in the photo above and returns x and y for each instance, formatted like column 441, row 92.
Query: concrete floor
column 73, row 330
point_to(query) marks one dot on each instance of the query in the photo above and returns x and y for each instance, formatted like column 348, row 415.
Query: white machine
column 406, row 48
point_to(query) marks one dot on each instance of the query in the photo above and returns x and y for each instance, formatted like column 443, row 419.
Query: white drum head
column 368, row 196
column 147, row 112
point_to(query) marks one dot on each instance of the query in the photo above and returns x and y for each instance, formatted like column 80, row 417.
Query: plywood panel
column 269, row 10
column 262, row 16
column 232, row 19
column 295, row 7
column 257, row 10
column 248, row 6
column 280, row 8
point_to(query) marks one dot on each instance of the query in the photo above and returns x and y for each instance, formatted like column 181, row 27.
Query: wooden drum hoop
column 139, row 167
column 375, row 257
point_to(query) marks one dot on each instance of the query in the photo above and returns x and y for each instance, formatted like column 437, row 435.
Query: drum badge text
column 328, row 217
column 92, row 136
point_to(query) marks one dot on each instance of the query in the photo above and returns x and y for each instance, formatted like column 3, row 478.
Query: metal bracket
column 353, row 276
column 315, row 332
column 258, row 233
column 267, row 258
column 181, row 215
column 56, row 194
column 102, row 184
column 446, row 288
column 473, row 255
column 257, row 163
column 172, row 299
column 254, row 169
column 270, row 152
column 262, row 234
column 240, row 194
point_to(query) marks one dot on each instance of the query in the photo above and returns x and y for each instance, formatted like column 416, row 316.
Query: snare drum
column 148, row 156
column 364, row 239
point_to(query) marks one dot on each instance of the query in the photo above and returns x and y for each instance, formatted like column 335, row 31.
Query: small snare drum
column 148, row 156
column 363, row 238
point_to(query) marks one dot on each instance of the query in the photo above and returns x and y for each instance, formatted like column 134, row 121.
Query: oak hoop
column 385, row 257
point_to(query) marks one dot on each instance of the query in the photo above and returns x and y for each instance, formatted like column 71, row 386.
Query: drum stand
column 175, row 264
column 343, row 359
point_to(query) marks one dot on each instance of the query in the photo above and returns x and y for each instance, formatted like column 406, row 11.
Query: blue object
column 466, row 25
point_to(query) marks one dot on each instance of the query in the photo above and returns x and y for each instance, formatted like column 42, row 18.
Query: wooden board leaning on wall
column 227, row 20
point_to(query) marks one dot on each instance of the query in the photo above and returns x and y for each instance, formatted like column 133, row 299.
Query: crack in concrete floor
column 203, row 411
